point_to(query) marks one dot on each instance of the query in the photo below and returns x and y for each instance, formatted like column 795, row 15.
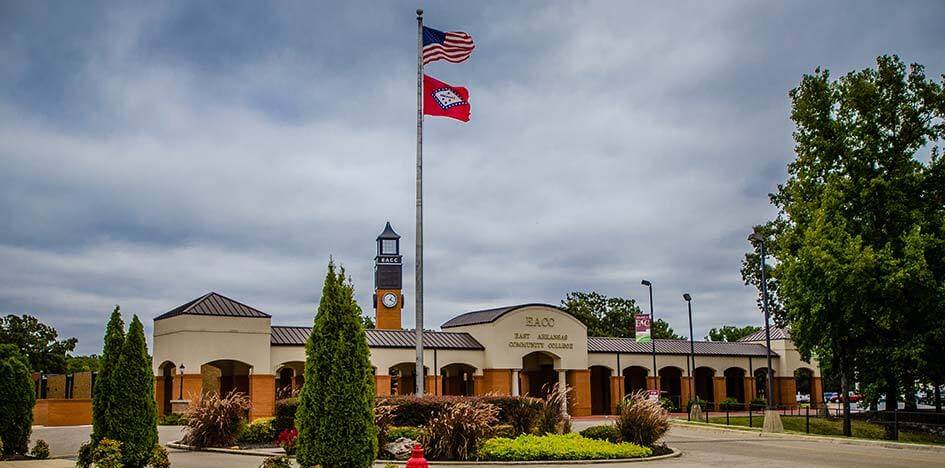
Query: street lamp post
column 692, row 346
column 656, row 376
column 180, row 372
column 770, row 415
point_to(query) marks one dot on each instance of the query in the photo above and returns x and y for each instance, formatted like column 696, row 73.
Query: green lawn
column 833, row 427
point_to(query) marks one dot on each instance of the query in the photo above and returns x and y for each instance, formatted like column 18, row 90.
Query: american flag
column 454, row 46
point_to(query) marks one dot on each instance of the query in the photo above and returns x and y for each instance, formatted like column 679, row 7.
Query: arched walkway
column 761, row 382
column 458, row 379
column 403, row 379
column 735, row 383
column 804, row 385
column 538, row 373
column 168, row 369
column 289, row 379
column 704, row 383
column 600, row 390
column 634, row 379
column 671, row 384
column 225, row 375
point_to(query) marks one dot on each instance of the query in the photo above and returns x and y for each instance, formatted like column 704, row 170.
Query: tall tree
column 335, row 417
column 662, row 330
column 602, row 315
column 87, row 363
column 104, row 393
column 17, row 398
column 731, row 333
column 856, row 237
column 44, row 351
column 133, row 413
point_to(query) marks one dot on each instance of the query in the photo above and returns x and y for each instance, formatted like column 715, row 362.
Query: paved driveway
column 700, row 447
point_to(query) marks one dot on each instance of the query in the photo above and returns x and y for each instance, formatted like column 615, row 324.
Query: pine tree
column 335, row 418
column 16, row 400
column 133, row 419
column 104, row 389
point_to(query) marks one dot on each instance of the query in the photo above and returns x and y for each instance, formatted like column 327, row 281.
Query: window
column 389, row 246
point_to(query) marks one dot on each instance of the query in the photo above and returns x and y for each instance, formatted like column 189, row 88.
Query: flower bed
column 558, row 447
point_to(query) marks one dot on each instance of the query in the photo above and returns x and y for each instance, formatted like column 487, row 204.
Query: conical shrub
column 104, row 388
column 16, row 400
column 133, row 416
column 335, row 418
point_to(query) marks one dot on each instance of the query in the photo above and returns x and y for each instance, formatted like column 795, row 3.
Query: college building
column 216, row 344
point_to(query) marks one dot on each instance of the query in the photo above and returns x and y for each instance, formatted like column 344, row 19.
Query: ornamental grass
column 215, row 421
column 640, row 420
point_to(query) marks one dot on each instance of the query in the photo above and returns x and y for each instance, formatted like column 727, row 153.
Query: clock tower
column 388, row 280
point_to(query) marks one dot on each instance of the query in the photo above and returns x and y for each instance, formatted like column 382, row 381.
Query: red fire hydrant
column 416, row 458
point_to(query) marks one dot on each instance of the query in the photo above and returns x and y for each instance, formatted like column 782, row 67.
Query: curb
column 814, row 438
column 190, row 448
column 675, row 453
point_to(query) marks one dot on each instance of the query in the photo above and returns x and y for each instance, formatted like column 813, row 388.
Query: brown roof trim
column 214, row 304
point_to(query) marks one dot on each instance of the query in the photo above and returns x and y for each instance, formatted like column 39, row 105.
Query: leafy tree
column 367, row 322
column 89, row 363
column 105, row 385
column 133, row 413
column 751, row 274
column 17, row 398
column 858, row 238
column 335, row 417
column 731, row 333
column 661, row 330
column 602, row 315
column 38, row 341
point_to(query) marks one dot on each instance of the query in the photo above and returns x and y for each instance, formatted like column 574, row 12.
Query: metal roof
column 777, row 333
column 487, row 315
column 705, row 348
column 215, row 305
column 296, row 336
column 388, row 233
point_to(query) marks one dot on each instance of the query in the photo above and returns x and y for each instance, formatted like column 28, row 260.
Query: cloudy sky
column 151, row 152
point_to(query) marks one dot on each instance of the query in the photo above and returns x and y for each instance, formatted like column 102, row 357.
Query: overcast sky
column 154, row 151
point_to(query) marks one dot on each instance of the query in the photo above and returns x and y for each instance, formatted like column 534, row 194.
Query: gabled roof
column 777, row 333
column 705, row 348
column 214, row 304
column 297, row 336
column 388, row 233
column 487, row 315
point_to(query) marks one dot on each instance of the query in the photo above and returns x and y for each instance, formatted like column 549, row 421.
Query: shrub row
column 522, row 413
column 558, row 447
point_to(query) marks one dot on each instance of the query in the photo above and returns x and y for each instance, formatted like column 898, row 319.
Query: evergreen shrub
column 521, row 412
column 608, row 432
column 40, row 450
column 105, row 386
column 285, row 414
column 159, row 458
column 335, row 418
column 132, row 414
column 410, row 432
column 107, row 454
column 731, row 404
column 17, row 398
column 558, row 447
column 257, row 432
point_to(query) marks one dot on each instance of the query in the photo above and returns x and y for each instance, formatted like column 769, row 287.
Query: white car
column 802, row 398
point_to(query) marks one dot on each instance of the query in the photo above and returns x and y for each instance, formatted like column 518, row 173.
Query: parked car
column 802, row 398
column 835, row 397
column 831, row 396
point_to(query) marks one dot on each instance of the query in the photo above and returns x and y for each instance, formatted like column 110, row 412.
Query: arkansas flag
column 445, row 100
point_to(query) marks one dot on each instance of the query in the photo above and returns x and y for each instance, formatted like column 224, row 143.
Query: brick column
column 616, row 393
column 433, row 385
column 580, row 401
column 786, row 390
column 718, row 390
column 262, row 393
column 479, row 385
column 497, row 381
column 159, row 395
column 651, row 383
column 816, row 391
column 684, row 395
column 382, row 385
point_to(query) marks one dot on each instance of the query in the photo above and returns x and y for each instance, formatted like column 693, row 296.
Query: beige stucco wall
column 195, row 340
column 716, row 363
column 789, row 359
column 382, row 359
column 529, row 329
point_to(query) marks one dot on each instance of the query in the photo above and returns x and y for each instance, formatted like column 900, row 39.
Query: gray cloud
column 150, row 154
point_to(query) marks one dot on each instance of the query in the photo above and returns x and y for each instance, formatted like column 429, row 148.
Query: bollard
column 896, row 420
column 750, row 422
column 726, row 416
column 416, row 458
column 807, row 416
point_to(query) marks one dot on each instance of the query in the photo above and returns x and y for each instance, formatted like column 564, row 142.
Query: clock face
column 390, row 300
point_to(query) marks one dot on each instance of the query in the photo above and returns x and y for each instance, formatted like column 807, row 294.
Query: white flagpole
column 418, row 278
